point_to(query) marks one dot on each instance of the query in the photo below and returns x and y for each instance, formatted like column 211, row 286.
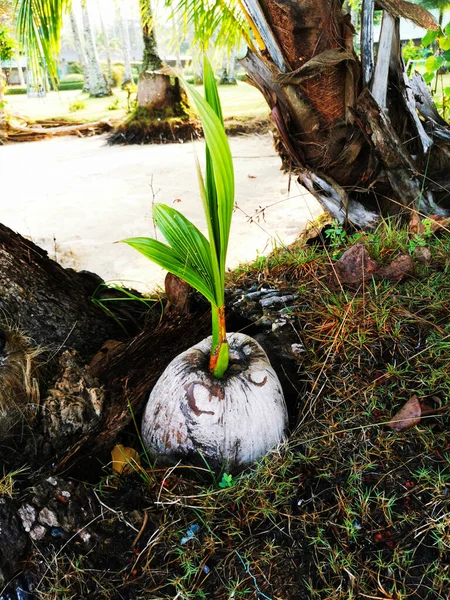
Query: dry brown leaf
column 413, row 12
column 124, row 460
column 439, row 223
column 408, row 416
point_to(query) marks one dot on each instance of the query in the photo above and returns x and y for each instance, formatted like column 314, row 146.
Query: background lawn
column 240, row 100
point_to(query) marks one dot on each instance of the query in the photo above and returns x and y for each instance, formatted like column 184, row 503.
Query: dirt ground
column 76, row 197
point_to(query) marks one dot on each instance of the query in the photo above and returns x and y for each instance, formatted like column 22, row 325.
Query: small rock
column 278, row 324
column 276, row 301
column 38, row 533
column 47, row 517
column 297, row 349
column 27, row 513
column 422, row 255
column 265, row 322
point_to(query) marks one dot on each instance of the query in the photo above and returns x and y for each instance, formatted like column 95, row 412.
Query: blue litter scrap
column 190, row 533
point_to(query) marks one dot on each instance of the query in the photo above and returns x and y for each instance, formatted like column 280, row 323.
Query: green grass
column 348, row 508
column 242, row 100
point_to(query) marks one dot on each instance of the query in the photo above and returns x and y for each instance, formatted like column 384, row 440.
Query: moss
column 145, row 126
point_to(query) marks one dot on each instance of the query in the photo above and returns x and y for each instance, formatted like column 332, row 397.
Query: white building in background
column 410, row 31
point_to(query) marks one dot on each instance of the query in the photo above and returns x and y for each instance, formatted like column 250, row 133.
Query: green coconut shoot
column 188, row 254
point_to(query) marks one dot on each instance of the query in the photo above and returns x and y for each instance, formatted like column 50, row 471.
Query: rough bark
column 151, row 60
column 2, row 98
column 349, row 128
column 20, row 71
column 107, row 45
column 47, row 302
column 228, row 75
column 98, row 86
column 123, row 370
column 157, row 92
column 79, row 48
column 126, row 45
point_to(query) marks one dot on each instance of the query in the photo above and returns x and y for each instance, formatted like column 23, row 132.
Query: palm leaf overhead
column 38, row 26
column 223, row 22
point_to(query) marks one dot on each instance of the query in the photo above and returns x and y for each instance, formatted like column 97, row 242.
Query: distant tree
column 79, row 47
column 7, row 49
column 98, row 84
column 126, row 46
column 106, row 44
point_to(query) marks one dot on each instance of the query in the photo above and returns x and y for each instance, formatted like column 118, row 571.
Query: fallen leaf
column 399, row 268
column 408, row 416
column 355, row 265
column 439, row 223
column 124, row 460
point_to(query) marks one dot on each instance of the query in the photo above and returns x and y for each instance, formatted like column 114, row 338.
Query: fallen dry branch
column 14, row 132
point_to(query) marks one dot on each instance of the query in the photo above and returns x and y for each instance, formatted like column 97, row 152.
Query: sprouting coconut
column 19, row 389
column 221, row 398
column 231, row 421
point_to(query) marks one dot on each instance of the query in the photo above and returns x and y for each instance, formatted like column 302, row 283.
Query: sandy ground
column 76, row 197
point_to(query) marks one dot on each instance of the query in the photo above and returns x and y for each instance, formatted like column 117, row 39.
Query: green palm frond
column 220, row 20
column 170, row 260
column 190, row 244
column 38, row 26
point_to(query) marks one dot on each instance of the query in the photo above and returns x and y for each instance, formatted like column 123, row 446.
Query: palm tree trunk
column 126, row 46
column 98, row 86
column 2, row 97
column 107, row 45
column 228, row 76
column 79, row 48
column 349, row 129
column 20, row 71
column 151, row 60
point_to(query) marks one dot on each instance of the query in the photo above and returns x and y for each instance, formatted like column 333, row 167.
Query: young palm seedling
column 220, row 398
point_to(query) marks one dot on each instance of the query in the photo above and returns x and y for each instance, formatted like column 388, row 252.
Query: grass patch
column 347, row 509
column 237, row 101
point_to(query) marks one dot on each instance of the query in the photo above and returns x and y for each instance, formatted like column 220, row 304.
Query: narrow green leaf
column 169, row 259
column 211, row 91
column 212, row 240
column 447, row 30
column 187, row 241
column 219, row 148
